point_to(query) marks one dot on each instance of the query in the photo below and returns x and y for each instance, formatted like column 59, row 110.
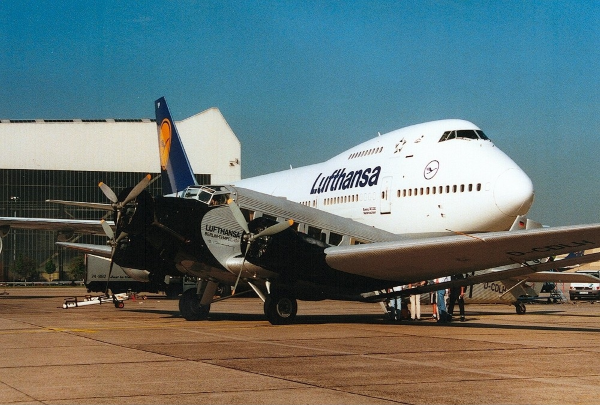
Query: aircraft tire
column 224, row 290
column 280, row 309
column 172, row 292
column 520, row 308
column 190, row 308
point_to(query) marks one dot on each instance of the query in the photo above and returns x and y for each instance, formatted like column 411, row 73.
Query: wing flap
column 423, row 259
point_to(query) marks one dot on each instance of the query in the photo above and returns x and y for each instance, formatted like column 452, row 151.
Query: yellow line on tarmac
column 190, row 327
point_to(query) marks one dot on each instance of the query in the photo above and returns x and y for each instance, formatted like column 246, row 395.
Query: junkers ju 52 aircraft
column 418, row 203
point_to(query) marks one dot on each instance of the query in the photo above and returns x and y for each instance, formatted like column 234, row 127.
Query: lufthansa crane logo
column 431, row 169
column 164, row 142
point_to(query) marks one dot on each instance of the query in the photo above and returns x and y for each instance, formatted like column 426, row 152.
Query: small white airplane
column 523, row 289
column 418, row 203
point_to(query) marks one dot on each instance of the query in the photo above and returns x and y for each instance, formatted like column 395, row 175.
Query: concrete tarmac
column 335, row 353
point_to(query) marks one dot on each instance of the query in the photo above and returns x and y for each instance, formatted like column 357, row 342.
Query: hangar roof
column 120, row 145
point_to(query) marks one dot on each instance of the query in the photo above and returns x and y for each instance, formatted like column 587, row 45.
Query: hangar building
column 66, row 159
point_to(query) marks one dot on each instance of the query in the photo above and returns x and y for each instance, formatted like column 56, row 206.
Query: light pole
column 14, row 199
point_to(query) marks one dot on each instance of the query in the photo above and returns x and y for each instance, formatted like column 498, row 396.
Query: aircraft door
column 385, row 206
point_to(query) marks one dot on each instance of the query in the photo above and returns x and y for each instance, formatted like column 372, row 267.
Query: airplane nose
column 513, row 192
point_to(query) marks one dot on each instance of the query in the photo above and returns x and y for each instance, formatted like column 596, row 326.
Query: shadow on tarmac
column 473, row 321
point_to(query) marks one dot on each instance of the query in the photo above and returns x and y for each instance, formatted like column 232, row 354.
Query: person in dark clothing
column 457, row 293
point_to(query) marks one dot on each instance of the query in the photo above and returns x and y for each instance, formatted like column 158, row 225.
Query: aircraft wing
column 558, row 277
column 82, row 226
column 538, row 272
column 98, row 250
column 428, row 258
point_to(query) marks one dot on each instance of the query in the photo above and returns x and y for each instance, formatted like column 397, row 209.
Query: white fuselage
column 409, row 182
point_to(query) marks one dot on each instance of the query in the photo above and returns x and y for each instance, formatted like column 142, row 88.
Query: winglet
column 175, row 168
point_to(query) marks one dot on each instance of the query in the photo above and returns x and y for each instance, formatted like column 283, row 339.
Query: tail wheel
column 280, row 310
column 190, row 308
column 520, row 308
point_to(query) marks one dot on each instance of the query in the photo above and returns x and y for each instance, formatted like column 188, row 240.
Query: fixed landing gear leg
column 195, row 306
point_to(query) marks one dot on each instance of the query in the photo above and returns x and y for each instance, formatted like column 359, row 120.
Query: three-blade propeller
column 118, row 207
column 135, row 191
column 241, row 220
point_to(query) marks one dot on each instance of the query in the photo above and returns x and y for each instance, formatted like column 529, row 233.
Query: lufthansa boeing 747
column 418, row 203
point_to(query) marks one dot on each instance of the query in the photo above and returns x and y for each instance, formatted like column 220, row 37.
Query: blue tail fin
column 175, row 168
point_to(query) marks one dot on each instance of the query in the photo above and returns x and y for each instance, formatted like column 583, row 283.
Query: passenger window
column 314, row 232
column 334, row 238
column 271, row 217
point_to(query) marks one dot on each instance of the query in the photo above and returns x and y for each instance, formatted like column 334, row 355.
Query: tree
column 25, row 268
column 50, row 268
column 77, row 268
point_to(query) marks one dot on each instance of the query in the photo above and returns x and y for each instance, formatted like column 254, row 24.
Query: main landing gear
column 280, row 309
column 194, row 303
column 520, row 308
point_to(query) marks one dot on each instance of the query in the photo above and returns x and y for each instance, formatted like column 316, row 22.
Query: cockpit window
column 482, row 135
column 467, row 134
column 191, row 192
column 204, row 196
column 219, row 199
column 207, row 195
column 463, row 134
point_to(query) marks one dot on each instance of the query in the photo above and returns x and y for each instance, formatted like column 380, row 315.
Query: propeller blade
column 237, row 214
column 137, row 189
column 107, row 229
column 108, row 192
column 238, row 278
column 109, row 272
column 272, row 230
column 121, row 236
column 241, row 269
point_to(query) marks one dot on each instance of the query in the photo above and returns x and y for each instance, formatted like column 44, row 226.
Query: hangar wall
column 123, row 145
column 66, row 159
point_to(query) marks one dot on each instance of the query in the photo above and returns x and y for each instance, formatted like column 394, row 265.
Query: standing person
column 433, row 301
column 441, row 301
column 415, row 302
column 457, row 293
column 395, row 306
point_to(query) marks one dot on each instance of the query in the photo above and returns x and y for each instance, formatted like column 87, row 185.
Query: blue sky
column 300, row 81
